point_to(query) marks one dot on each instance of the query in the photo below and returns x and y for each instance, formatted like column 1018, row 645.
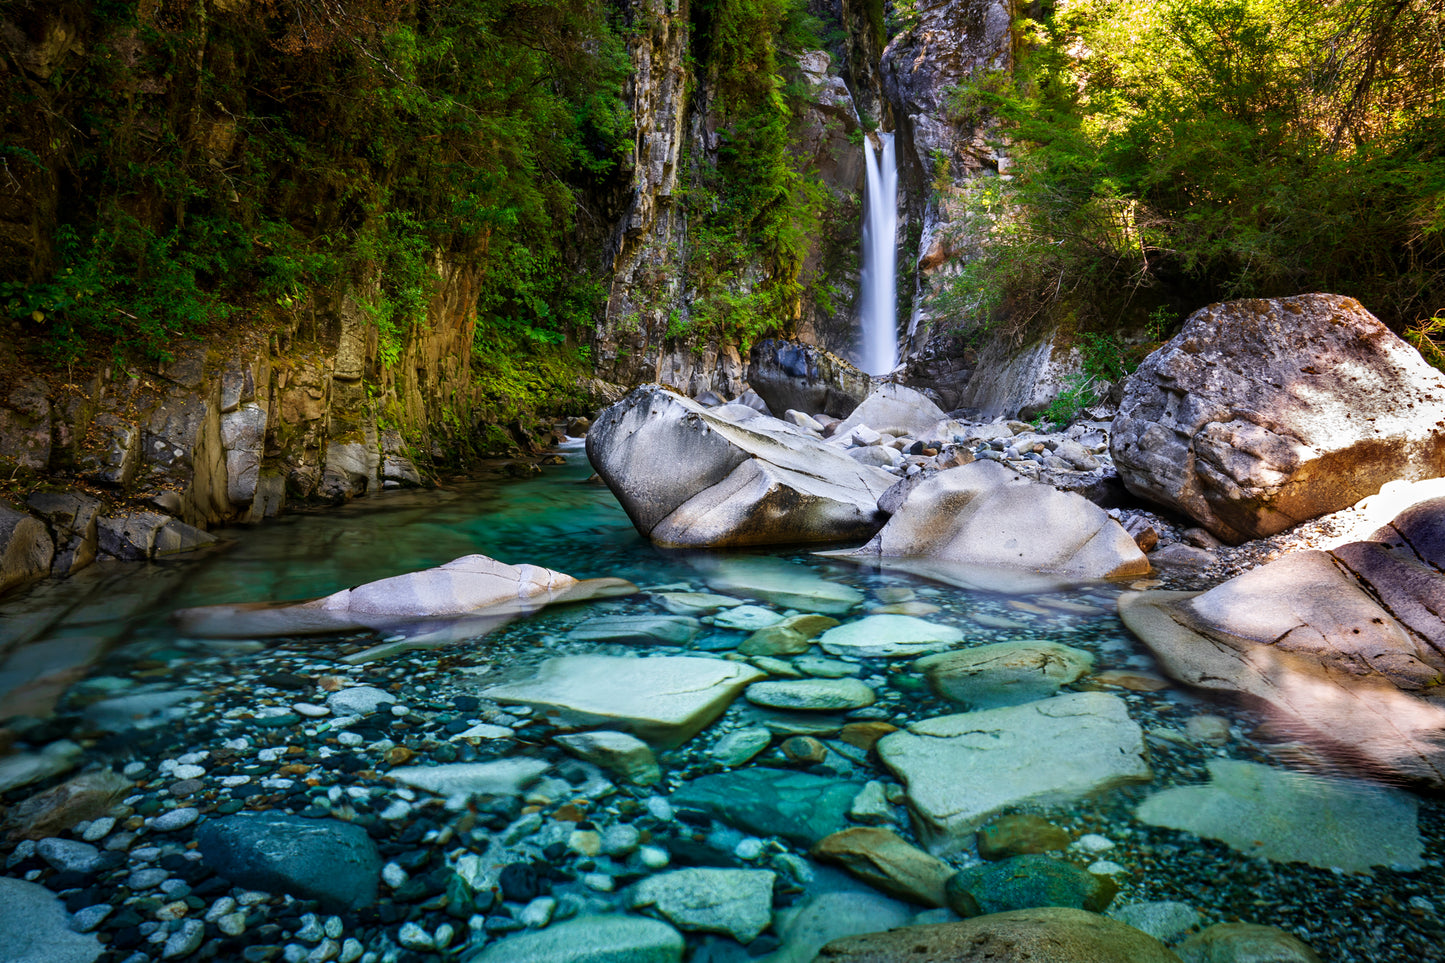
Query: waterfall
column 878, row 352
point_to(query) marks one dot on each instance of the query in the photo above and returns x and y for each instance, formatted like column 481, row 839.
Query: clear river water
column 106, row 632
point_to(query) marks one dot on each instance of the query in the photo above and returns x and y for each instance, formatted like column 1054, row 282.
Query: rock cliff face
column 649, row 299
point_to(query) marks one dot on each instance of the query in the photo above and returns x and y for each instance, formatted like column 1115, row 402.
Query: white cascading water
column 878, row 352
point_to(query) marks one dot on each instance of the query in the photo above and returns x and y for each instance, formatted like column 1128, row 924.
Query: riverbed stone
column 889, row 637
column 1004, row 673
column 798, row 806
column 822, row 917
column 1260, row 414
column 1165, row 920
column 333, row 862
column 888, row 862
column 961, row 769
column 638, row 629
column 747, row 618
column 694, row 603
column 782, row 583
column 818, row 695
column 88, row 796
column 689, row 478
column 1020, row 833
column 359, row 700
column 1245, row 943
column 665, row 700
column 1027, row 882
column 737, row 747
column 987, row 516
column 611, row 938
column 23, row 768
column 620, row 753
column 1294, row 817
column 462, row 780
column 735, row 902
column 775, row 640
column 1050, row 934
column 37, row 928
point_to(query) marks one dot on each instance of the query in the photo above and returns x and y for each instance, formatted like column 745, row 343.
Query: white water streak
column 878, row 352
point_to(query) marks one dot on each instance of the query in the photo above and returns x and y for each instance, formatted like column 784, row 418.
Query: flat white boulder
column 1295, row 817
column 889, row 637
column 466, row 587
column 987, row 515
column 689, row 478
column 665, row 700
column 961, row 769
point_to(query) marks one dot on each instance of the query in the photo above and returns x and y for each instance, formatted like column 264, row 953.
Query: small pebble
column 175, row 819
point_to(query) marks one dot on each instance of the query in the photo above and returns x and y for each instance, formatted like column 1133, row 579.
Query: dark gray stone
column 319, row 859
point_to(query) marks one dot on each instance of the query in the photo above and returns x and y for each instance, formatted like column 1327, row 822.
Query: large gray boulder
column 793, row 375
column 688, row 478
column 895, row 409
column 986, row 515
column 1261, row 414
column 1347, row 646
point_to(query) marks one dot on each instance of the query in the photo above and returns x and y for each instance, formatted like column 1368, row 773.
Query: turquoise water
column 117, row 616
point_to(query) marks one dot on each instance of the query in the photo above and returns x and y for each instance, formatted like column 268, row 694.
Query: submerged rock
column 1288, row 816
column 1262, row 414
column 613, row 938
column 1245, row 943
column 37, row 927
column 321, row 859
column 1004, row 673
column 817, row 695
column 735, row 902
column 798, row 806
column 1045, row 935
column 689, row 478
column 781, row 583
column 665, row 700
column 961, row 769
column 988, row 516
column 1027, row 882
column 887, row 861
column 627, row 756
column 889, row 637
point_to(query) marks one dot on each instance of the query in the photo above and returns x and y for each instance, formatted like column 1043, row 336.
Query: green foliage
column 1078, row 393
column 224, row 162
column 1222, row 148
column 1102, row 357
column 757, row 207
column 1427, row 337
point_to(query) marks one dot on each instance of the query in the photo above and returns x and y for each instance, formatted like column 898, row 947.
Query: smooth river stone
column 37, row 928
column 784, row 584
column 500, row 777
column 962, row 769
column 665, row 700
column 1294, row 817
column 889, row 637
column 638, row 629
column 694, row 603
column 613, row 938
column 747, row 618
column 1004, row 673
column 825, row 695
column 798, row 806
column 737, row 902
